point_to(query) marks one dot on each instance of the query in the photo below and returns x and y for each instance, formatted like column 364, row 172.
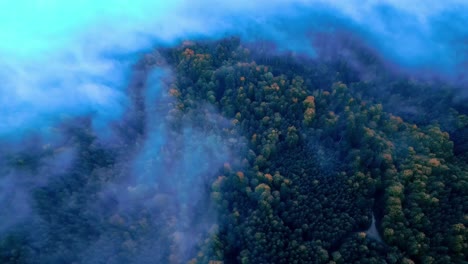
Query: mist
column 94, row 45
column 72, row 88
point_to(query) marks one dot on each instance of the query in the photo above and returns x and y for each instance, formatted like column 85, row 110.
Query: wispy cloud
column 60, row 60
column 74, row 59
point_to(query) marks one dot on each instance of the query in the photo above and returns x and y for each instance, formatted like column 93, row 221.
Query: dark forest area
column 260, row 157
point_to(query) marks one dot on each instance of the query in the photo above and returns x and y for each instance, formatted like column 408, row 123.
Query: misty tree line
column 318, row 152
column 322, row 156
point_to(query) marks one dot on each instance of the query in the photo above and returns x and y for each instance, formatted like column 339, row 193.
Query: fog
column 73, row 101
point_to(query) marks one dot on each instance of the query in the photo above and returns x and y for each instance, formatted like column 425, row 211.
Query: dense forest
column 275, row 158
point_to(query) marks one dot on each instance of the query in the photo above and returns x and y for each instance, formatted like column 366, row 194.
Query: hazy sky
column 73, row 57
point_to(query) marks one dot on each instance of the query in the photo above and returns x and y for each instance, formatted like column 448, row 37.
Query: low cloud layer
column 62, row 62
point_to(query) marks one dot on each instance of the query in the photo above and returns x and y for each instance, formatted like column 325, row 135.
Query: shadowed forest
column 243, row 154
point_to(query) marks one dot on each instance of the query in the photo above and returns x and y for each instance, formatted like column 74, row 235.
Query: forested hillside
column 323, row 156
column 303, row 154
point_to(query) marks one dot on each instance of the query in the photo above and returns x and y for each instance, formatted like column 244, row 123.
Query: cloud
column 74, row 59
column 63, row 60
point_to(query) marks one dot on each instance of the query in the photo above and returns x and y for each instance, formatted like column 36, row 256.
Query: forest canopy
column 245, row 156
